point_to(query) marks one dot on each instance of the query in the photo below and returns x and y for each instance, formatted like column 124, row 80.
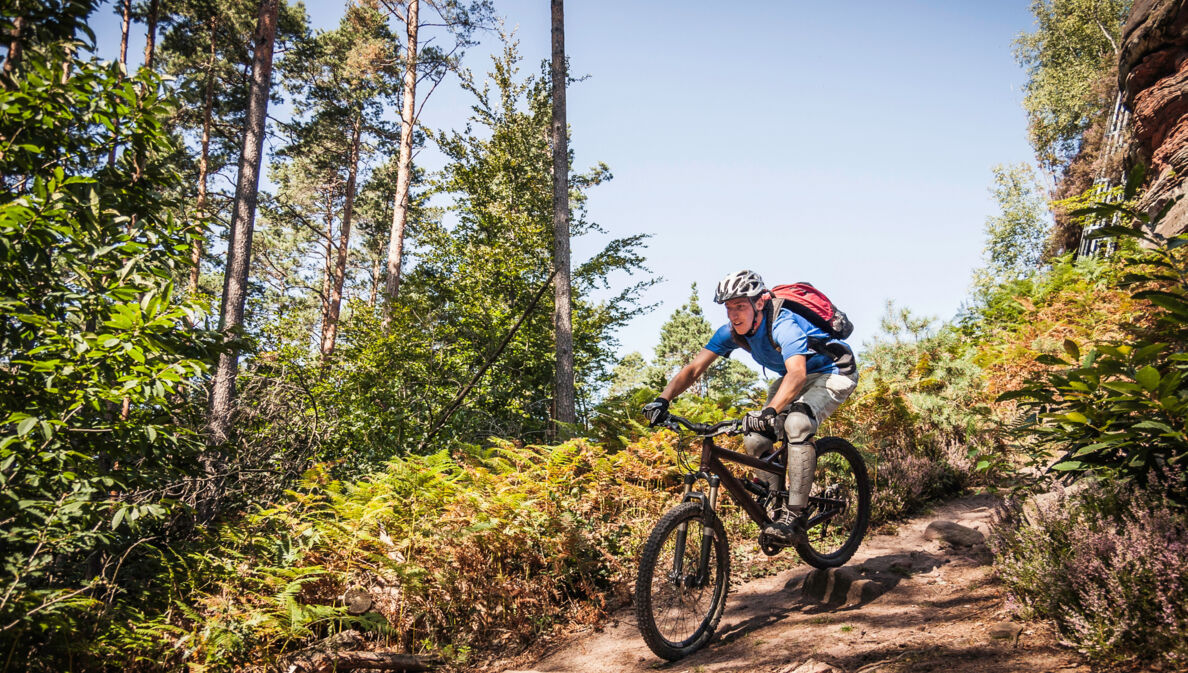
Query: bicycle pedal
column 769, row 546
column 785, row 534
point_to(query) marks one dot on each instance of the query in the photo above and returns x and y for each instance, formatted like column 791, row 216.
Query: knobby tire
column 660, row 621
column 859, row 499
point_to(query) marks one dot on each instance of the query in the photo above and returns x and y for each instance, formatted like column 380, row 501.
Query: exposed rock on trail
column 910, row 601
column 954, row 533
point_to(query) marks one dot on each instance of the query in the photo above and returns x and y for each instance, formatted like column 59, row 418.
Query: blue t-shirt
column 792, row 332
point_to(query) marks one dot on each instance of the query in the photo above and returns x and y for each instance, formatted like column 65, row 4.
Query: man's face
column 741, row 314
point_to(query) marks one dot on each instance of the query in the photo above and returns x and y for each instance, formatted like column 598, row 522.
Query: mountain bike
column 684, row 569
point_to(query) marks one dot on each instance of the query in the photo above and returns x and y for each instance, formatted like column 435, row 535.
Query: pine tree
column 243, row 219
column 682, row 337
column 474, row 280
column 630, row 374
column 424, row 61
column 205, row 49
column 345, row 79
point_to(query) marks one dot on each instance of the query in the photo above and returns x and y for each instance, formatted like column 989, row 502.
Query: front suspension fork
column 710, row 504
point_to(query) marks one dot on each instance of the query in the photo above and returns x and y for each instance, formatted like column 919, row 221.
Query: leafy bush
column 1015, row 322
column 1108, row 565
column 491, row 547
column 919, row 415
column 1116, row 410
column 99, row 356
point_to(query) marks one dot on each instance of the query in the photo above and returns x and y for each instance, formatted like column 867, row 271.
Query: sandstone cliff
column 1153, row 79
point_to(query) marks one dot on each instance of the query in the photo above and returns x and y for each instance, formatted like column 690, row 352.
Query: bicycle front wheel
column 684, row 573
column 838, row 508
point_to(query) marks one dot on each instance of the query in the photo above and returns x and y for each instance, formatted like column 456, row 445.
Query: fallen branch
column 338, row 653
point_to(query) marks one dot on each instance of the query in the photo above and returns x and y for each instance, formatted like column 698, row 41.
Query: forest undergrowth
column 487, row 548
column 376, row 468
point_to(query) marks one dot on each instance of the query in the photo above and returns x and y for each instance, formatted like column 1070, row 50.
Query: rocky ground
column 920, row 599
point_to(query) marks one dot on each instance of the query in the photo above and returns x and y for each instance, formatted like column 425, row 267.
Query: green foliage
column 682, row 337
column 630, row 374
column 343, row 82
column 100, row 357
column 1012, row 303
column 205, row 50
column 1069, row 58
column 919, row 413
column 473, row 281
column 492, row 546
column 1014, row 238
column 387, row 387
column 1117, row 409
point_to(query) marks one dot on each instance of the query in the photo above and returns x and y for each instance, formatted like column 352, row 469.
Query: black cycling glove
column 763, row 422
column 656, row 411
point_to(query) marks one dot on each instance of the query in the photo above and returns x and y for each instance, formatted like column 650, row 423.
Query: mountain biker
column 817, row 374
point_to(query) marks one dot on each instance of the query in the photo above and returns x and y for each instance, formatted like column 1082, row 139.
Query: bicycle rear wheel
column 684, row 571
column 838, row 510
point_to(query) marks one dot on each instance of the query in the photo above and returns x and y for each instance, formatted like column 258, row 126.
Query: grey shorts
column 823, row 393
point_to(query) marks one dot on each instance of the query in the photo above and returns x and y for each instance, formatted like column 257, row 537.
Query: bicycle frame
column 714, row 470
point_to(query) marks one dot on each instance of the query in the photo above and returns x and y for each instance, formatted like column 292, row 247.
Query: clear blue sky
column 847, row 144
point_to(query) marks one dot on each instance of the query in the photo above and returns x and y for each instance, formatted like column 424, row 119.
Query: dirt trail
column 924, row 606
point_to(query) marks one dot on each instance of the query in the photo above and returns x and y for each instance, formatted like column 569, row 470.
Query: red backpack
column 809, row 303
column 814, row 306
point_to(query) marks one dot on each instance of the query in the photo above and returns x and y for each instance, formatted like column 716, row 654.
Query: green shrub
column 1109, row 566
column 919, row 415
column 1116, row 410
column 100, row 359
column 489, row 547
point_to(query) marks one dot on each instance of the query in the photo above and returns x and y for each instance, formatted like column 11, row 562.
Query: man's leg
column 822, row 395
column 758, row 444
column 802, row 458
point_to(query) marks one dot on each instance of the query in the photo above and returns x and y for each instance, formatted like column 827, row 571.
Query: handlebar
column 675, row 423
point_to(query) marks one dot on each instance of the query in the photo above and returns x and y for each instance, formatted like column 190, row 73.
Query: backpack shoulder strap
column 740, row 341
column 770, row 311
column 773, row 310
column 815, row 345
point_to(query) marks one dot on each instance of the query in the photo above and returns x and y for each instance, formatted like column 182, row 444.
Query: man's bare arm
column 688, row 374
column 792, row 384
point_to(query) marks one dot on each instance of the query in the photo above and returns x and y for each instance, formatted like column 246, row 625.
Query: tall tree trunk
column 328, row 267
column 404, row 161
column 203, row 162
column 13, row 57
column 375, row 276
column 150, row 39
column 239, row 247
column 344, row 240
column 125, row 27
column 564, row 411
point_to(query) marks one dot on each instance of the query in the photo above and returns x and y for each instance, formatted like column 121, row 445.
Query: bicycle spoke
column 681, row 603
column 838, row 509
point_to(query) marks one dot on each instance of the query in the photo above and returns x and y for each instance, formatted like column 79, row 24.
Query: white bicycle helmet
column 739, row 284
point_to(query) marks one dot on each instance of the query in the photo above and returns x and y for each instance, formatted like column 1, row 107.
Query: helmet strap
column 758, row 318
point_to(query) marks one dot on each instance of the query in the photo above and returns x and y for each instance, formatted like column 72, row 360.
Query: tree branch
column 486, row 365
